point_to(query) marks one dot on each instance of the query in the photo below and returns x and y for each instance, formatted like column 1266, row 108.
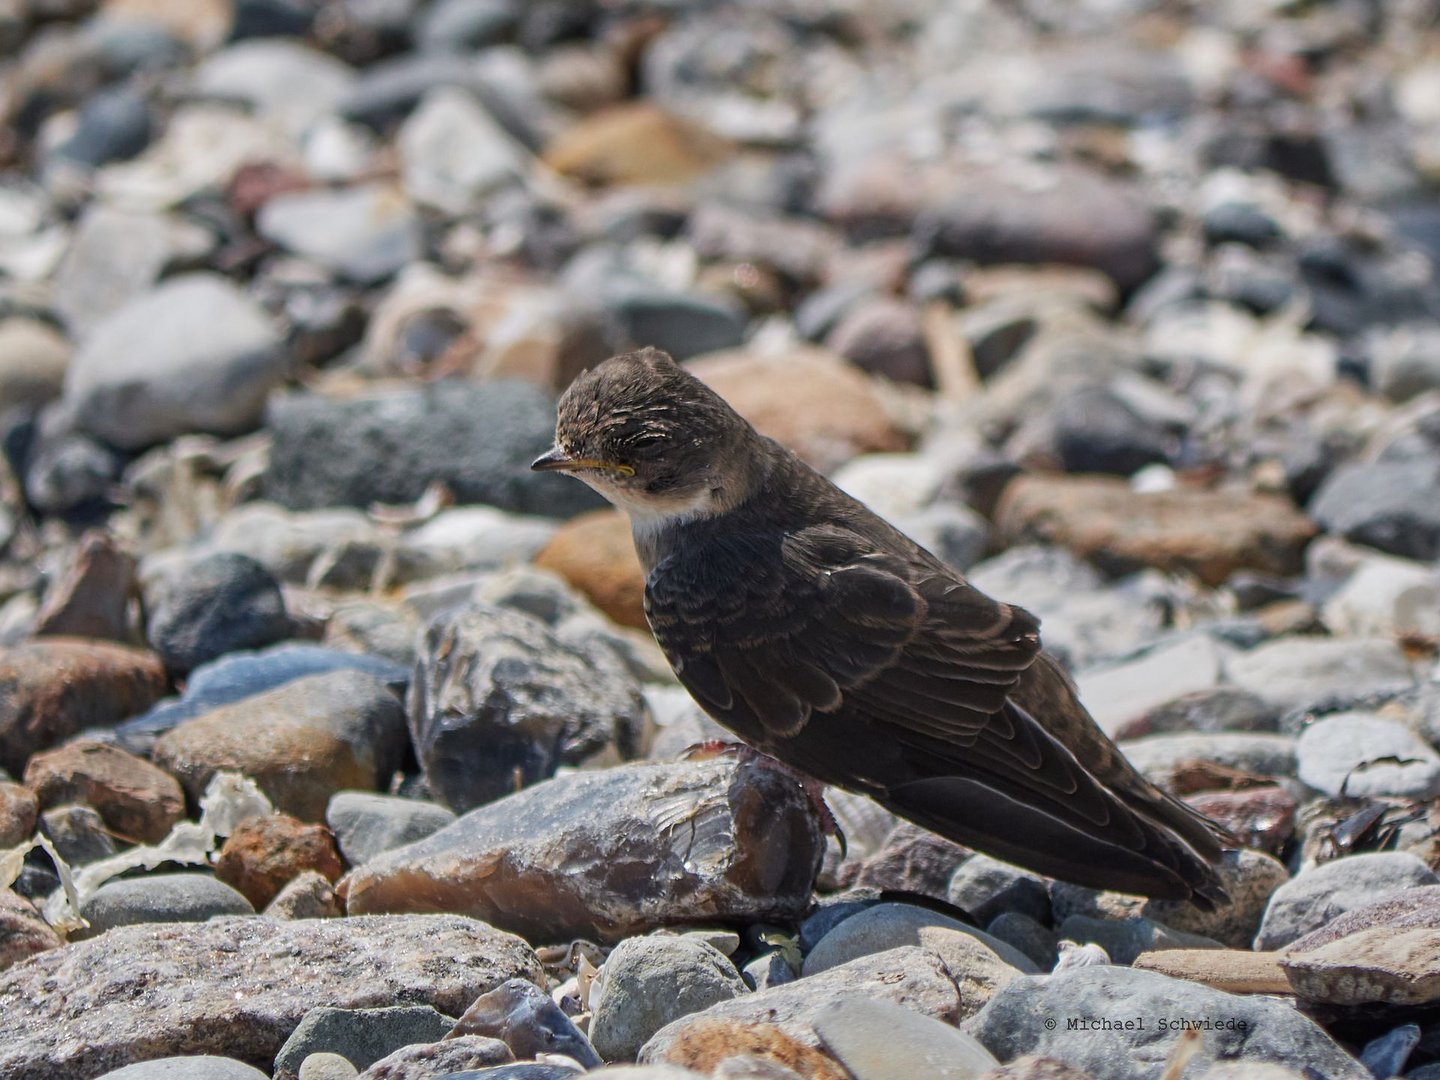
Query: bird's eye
column 646, row 442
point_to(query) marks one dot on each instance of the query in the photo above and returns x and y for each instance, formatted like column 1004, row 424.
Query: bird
column 825, row 638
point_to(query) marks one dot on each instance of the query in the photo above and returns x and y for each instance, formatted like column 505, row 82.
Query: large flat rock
column 235, row 987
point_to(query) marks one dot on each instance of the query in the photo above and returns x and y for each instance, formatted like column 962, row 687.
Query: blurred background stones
column 1128, row 311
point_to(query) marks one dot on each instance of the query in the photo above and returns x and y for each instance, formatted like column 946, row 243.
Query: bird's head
column 651, row 438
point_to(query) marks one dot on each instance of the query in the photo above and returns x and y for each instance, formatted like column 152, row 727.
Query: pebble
column 194, row 354
column 1319, row 894
column 893, row 925
column 523, row 1017
column 1119, row 695
column 78, row 833
column 844, row 414
column 911, row 977
column 33, row 359
column 93, row 597
column 308, row 895
column 244, row 984
column 137, row 801
column 986, row 888
column 423, row 1061
column 454, row 154
column 61, row 686
column 1376, row 966
column 117, row 256
column 1078, row 217
column 1210, row 534
column 594, row 552
column 499, row 701
column 217, row 604
column 285, row 82
column 264, row 854
column 1407, row 907
column 1362, row 755
column 187, row 1067
column 301, row 742
column 366, row 824
column 908, row 860
column 876, row 1040
column 19, row 810
column 365, row 233
column 362, row 1036
column 327, row 1067
column 647, row 982
column 478, row 440
column 160, row 898
column 1014, row 1023
column 243, row 675
column 614, row 853
column 635, row 144
column 23, row 932
column 1387, row 505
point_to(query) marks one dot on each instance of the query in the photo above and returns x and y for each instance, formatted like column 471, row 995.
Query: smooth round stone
column 890, row 926
column 363, row 1036
column 156, row 898
column 365, row 233
column 1321, row 893
column 326, row 1066
column 242, row 675
column 367, row 824
column 650, row 981
column 879, row 1040
column 215, row 605
column 199, row 1067
column 1360, row 755
column 194, row 354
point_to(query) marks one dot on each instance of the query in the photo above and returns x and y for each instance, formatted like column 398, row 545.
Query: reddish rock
column 1210, row 534
column 1079, row 217
column 262, row 855
column 23, row 933
column 911, row 860
column 823, row 408
column 92, row 599
column 51, row 689
column 139, row 801
column 594, row 553
column 703, row 1046
column 19, row 810
column 635, row 144
column 1262, row 817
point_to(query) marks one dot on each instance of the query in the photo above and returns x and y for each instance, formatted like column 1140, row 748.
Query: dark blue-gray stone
column 476, row 439
column 242, row 675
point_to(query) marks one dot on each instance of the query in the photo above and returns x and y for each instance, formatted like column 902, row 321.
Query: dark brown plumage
column 824, row 637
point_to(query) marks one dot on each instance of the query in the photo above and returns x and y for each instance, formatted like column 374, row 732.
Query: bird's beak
column 553, row 459
column 557, row 460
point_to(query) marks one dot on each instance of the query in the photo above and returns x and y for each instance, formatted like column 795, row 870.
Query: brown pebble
column 705, row 1044
column 139, row 801
column 263, row 854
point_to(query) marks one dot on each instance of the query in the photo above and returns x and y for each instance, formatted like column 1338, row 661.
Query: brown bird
column 824, row 637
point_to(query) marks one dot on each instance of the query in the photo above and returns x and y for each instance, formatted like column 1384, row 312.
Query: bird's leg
column 814, row 789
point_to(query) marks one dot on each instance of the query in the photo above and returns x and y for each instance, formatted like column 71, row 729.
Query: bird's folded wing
column 786, row 625
column 772, row 631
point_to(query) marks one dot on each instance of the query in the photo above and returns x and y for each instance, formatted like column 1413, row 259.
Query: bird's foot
column 814, row 789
